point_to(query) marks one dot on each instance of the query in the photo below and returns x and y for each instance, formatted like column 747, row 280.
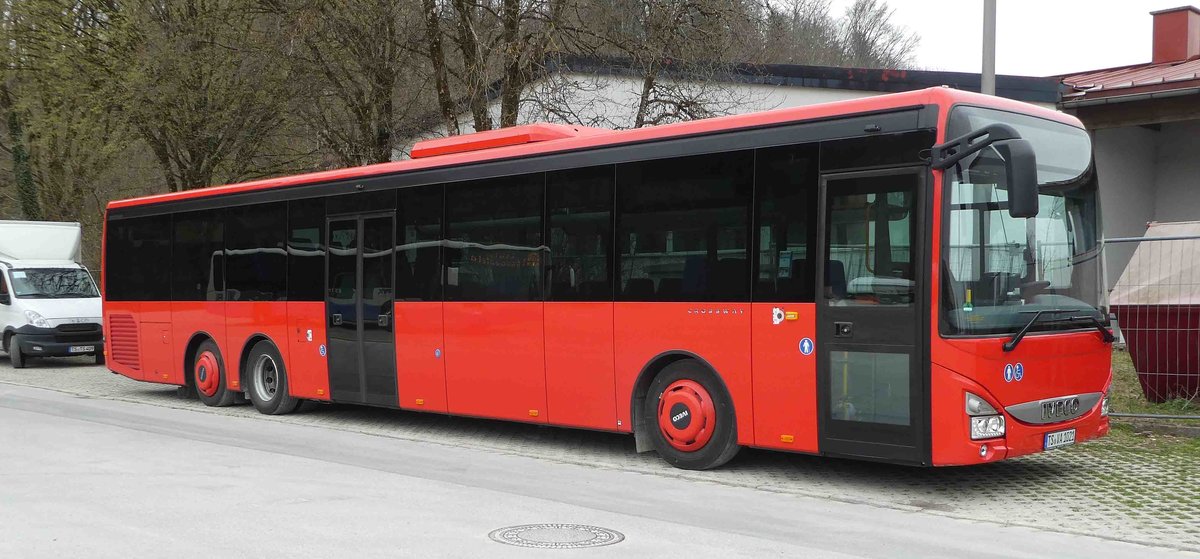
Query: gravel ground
column 1129, row 486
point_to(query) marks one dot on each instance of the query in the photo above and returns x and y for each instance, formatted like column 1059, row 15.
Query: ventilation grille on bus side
column 123, row 341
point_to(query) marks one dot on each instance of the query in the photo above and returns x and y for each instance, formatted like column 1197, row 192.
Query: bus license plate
column 1060, row 439
column 81, row 349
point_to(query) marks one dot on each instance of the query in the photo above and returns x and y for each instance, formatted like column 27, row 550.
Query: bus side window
column 494, row 239
column 683, row 228
column 785, row 202
column 579, row 203
column 197, row 267
column 255, row 255
column 137, row 259
column 306, row 250
column 418, row 244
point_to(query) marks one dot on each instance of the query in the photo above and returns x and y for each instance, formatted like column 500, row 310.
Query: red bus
column 911, row 278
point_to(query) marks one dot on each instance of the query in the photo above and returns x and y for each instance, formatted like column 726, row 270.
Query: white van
column 49, row 305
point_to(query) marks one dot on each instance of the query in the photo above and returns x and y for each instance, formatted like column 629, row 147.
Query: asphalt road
column 84, row 477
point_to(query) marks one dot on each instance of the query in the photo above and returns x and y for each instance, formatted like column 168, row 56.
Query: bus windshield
column 52, row 283
column 997, row 270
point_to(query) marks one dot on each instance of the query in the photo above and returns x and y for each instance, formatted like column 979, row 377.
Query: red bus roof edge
column 586, row 138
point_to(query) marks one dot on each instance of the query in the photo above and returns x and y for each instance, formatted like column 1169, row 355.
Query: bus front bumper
column 1022, row 438
column 1026, row 439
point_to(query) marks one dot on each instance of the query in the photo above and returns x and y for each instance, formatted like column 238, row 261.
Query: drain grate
column 556, row 536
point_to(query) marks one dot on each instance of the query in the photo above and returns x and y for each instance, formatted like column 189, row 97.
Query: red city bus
column 911, row 278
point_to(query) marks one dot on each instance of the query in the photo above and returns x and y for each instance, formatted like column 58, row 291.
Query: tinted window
column 875, row 151
column 682, row 228
column 494, row 239
column 137, row 259
column 418, row 244
column 306, row 250
column 197, row 263
column 785, row 190
column 579, row 204
column 255, row 254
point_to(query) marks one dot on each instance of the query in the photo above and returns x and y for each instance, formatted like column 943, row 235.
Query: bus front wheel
column 691, row 417
column 208, row 374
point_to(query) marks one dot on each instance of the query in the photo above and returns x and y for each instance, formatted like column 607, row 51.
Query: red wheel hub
column 207, row 373
column 686, row 415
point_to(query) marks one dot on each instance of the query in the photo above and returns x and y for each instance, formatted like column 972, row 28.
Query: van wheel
column 14, row 353
column 691, row 417
column 100, row 358
column 268, row 386
column 208, row 373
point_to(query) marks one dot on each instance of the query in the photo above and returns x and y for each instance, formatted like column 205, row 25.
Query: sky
column 1033, row 37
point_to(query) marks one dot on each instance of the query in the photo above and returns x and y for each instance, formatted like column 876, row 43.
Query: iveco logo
column 1063, row 408
column 675, row 418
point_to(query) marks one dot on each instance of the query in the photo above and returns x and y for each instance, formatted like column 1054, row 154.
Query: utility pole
column 987, row 80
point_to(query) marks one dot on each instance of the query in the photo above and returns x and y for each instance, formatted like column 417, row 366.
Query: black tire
column 14, row 353
column 266, row 381
column 721, row 445
column 100, row 358
column 216, row 392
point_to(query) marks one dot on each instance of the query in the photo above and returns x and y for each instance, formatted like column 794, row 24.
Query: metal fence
column 1156, row 300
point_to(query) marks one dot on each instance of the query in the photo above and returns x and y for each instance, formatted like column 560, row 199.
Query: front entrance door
column 358, row 304
column 870, row 364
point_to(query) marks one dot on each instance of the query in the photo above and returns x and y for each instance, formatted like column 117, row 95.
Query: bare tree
column 358, row 75
column 800, row 32
column 870, row 39
column 436, row 52
column 678, row 51
column 203, row 92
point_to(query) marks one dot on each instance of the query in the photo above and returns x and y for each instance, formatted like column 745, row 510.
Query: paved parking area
column 1125, row 487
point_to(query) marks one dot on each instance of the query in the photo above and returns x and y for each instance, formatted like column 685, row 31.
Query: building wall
column 1126, row 162
column 1177, row 176
column 1145, row 175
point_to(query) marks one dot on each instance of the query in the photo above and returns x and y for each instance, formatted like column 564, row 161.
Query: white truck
column 49, row 305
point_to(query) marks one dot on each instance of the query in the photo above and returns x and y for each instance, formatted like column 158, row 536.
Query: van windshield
column 52, row 283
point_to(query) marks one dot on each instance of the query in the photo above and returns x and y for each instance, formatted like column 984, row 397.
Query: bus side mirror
column 5, row 299
column 1020, row 167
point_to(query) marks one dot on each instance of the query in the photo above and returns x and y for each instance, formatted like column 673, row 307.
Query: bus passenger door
column 871, row 325
column 358, row 302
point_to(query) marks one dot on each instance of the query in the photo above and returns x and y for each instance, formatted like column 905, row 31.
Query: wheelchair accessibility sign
column 1014, row 372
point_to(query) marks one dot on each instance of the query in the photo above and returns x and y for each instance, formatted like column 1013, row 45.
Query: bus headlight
column 986, row 422
column 987, row 427
column 1104, row 406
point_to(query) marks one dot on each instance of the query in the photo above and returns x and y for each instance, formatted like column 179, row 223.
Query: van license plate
column 81, row 349
column 1060, row 439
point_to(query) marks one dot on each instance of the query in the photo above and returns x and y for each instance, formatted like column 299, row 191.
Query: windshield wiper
column 1011, row 344
column 1104, row 331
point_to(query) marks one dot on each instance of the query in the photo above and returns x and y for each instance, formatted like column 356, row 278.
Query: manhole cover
column 556, row 536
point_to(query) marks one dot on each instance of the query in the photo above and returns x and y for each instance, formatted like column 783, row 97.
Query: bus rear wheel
column 691, row 417
column 268, row 386
column 208, row 374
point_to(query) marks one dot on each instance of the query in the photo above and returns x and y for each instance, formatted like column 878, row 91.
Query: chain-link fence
column 1157, row 304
